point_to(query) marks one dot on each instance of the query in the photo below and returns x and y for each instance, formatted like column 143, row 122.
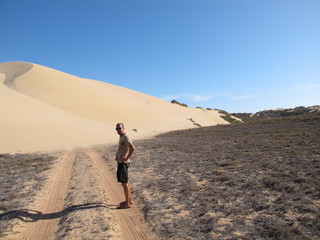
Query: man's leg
column 130, row 193
column 127, row 194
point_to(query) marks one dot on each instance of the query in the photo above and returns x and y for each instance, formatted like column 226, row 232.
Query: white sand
column 45, row 109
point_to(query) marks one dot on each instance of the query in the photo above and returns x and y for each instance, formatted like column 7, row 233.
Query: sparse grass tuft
column 194, row 122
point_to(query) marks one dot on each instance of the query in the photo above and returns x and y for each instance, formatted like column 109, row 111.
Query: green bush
column 228, row 117
column 181, row 104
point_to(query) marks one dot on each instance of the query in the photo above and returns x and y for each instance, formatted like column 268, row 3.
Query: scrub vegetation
column 256, row 180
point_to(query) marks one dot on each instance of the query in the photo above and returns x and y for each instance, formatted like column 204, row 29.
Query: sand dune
column 45, row 109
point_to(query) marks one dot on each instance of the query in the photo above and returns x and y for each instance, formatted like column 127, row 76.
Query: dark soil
column 256, row 180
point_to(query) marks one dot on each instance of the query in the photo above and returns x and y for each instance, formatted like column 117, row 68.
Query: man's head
column 120, row 128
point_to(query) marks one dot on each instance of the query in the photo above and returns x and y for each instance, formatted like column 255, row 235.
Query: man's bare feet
column 124, row 203
column 123, row 206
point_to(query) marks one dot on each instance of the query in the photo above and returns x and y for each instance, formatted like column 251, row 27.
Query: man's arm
column 131, row 150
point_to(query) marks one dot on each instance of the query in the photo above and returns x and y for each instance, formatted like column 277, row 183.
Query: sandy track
column 79, row 201
column 42, row 223
column 130, row 220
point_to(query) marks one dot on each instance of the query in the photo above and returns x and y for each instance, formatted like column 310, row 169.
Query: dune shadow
column 12, row 70
column 29, row 215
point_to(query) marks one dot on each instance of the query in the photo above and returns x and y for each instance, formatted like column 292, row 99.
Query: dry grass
column 257, row 180
column 21, row 176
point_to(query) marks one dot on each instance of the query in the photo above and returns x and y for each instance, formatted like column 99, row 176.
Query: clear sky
column 235, row 55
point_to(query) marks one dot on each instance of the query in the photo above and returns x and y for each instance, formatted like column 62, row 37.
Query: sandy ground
column 43, row 109
column 78, row 201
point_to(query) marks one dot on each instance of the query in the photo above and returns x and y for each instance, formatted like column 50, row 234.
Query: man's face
column 120, row 129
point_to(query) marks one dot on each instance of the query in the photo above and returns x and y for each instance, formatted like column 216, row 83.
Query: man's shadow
column 28, row 215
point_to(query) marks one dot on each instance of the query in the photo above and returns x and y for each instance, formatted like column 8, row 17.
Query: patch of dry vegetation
column 257, row 180
column 21, row 176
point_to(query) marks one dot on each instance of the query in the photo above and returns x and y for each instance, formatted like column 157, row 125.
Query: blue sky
column 235, row 55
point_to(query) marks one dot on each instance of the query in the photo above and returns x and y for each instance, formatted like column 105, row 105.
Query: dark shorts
column 122, row 172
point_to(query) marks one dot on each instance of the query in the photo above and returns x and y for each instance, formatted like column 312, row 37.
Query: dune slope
column 45, row 109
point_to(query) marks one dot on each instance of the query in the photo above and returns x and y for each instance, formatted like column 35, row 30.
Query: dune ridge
column 43, row 109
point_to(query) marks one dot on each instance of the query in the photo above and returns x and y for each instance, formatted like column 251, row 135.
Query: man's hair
column 121, row 124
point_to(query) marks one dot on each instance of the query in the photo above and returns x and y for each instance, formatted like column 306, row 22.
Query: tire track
column 90, row 215
column 129, row 220
column 79, row 202
column 44, row 220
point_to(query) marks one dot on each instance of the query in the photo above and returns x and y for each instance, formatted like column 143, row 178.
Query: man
column 125, row 151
